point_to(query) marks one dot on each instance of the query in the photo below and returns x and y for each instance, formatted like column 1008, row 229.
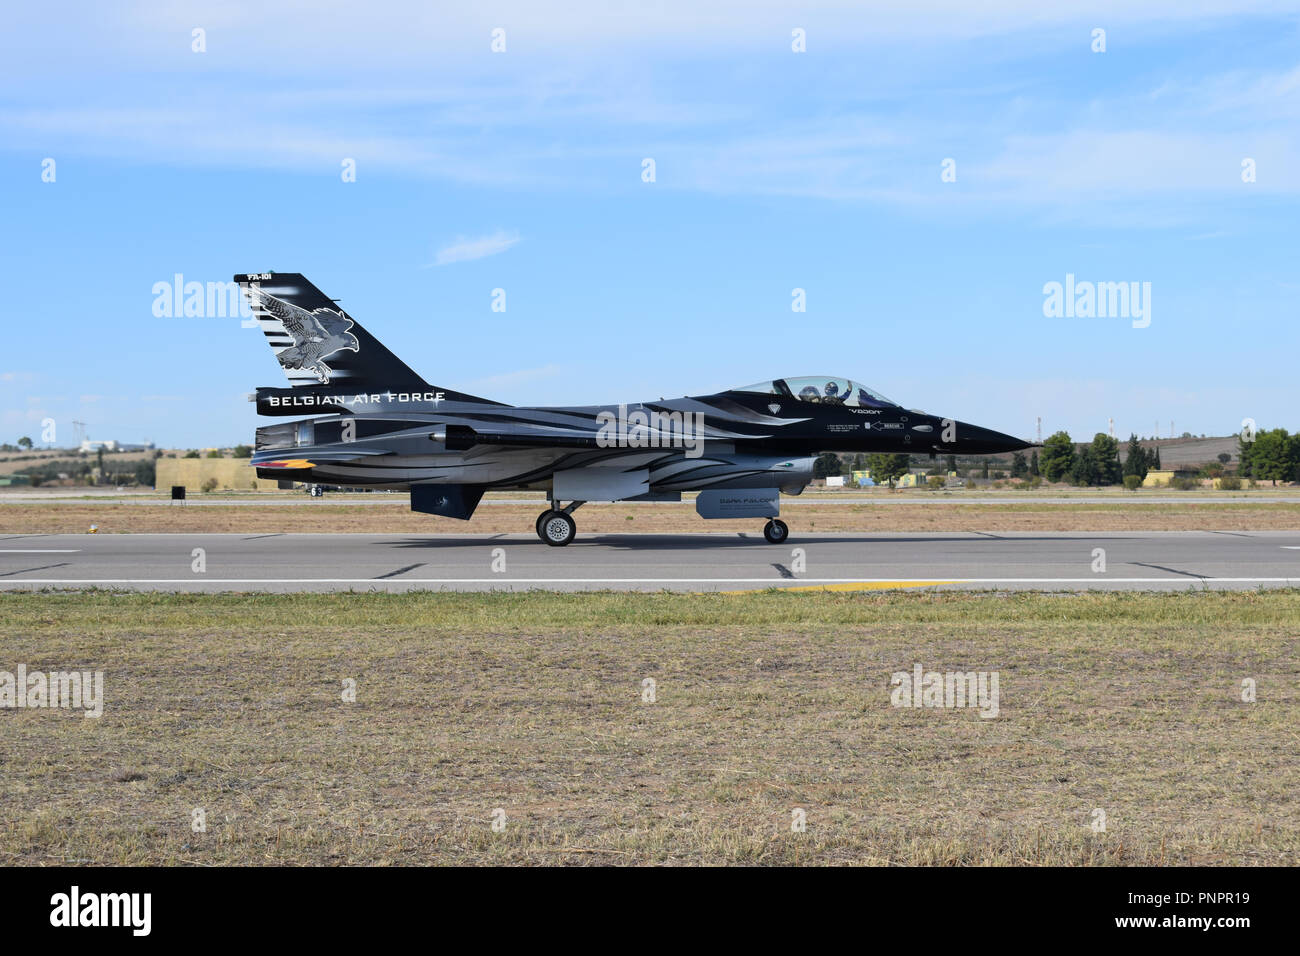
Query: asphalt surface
column 915, row 498
column 1171, row 560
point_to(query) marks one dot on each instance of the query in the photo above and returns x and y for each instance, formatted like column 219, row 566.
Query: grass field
column 1124, row 514
column 768, row 702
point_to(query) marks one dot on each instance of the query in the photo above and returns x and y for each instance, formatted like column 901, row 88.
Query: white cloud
column 401, row 32
column 572, row 107
column 467, row 250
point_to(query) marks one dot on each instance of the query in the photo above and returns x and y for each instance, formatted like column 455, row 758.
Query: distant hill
column 1182, row 452
column 16, row 462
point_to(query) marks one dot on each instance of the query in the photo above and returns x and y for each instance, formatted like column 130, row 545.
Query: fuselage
column 734, row 438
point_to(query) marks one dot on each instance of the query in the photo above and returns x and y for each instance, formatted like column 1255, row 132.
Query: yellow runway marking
column 853, row 586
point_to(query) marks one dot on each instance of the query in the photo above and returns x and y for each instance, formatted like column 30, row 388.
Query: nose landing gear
column 776, row 531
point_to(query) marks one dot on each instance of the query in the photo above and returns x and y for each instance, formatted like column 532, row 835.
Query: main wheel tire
column 776, row 531
column 541, row 520
column 558, row 529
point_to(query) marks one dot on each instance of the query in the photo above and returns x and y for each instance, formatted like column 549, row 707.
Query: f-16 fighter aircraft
column 372, row 421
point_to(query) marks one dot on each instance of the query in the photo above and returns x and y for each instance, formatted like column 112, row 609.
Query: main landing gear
column 555, row 526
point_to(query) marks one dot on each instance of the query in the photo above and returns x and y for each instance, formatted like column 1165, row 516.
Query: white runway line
column 39, row 550
column 776, row 582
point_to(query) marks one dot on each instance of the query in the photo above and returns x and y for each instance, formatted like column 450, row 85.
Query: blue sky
column 775, row 170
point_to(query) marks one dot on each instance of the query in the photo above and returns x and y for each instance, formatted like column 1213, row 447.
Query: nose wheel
column 776, row 531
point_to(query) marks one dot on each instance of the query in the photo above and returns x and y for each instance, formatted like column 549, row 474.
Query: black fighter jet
column 374, row 422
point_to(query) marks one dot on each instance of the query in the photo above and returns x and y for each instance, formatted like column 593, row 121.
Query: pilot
column 809, row 393
column 833, row 394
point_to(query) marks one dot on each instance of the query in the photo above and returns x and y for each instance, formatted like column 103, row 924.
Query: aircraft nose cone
column 975, row 440
column 987, row 441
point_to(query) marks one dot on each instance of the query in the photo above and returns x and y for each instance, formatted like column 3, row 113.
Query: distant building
column 1160, row 479
column 108, row 444
column 229, row 474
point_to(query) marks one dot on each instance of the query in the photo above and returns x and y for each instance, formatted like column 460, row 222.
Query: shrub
column 1132, row 482
column 1182, row 484
column 1230, row 483
column 934, row 482
column 209, row 485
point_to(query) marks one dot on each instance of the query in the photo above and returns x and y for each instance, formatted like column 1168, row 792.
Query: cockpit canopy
column 825, row 389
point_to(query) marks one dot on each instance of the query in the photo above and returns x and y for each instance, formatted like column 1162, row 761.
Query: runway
column 1164, row 561
column 80, row 497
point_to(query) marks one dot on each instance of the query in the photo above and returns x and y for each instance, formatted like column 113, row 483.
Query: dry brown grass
column 766, row 702
column 397, row 518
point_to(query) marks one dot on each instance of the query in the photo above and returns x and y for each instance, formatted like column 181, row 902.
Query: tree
column 984, row 472
column 214, row 454
column 1153, row 458
column 1105, row 452
column 242, row 451
column 950, row 463
column 1135, row 463
column 25, row 443
column 1274, row 455
column 888, row 468
column 827, row 463
column 146, row 472
column 1058, row 456
column 192, row 454
column 1245, row 454
column 859, row 461
column 1033, row 464
column 1019, row 466
column 1084, row 470
column 1224, row 457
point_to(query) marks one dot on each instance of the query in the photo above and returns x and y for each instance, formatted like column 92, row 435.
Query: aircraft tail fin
column 318, row 344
